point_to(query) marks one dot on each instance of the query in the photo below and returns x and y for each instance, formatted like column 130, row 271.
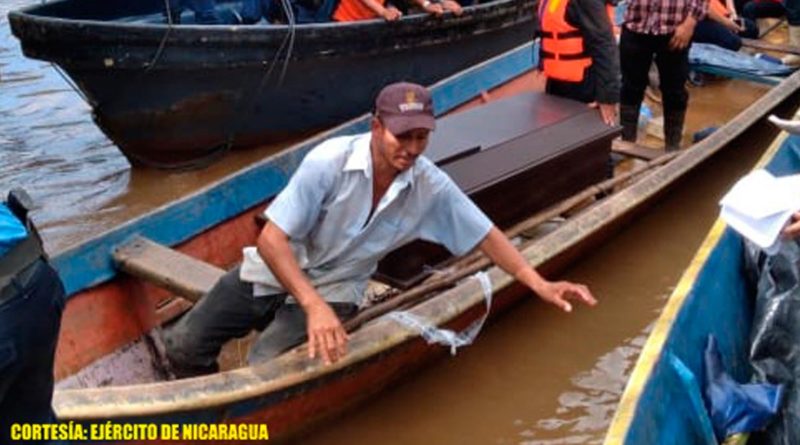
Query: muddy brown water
column 535, row 375
column 538, row 376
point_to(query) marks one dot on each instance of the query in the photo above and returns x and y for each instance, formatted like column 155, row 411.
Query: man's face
column 402, row 150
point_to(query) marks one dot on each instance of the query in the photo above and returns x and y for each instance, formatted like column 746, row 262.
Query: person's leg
column 673, row 70
column 288, row 330
column 29, row 325
column 793, row 17
column 228, row 311
column 709, row 31
column 205, row 12
column 636, row 54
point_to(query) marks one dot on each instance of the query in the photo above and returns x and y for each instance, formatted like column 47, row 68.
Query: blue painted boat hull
column 663, row 403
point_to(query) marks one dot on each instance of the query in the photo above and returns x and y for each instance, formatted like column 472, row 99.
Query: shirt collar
column 361, row 159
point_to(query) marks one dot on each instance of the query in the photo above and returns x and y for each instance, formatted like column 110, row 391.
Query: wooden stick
column 476, row 261
column 771, row 28
column 766, row 46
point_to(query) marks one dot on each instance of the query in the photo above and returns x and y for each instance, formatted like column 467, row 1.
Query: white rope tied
column 447, row 337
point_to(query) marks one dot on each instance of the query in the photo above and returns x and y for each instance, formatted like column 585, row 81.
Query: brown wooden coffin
column 513, row 157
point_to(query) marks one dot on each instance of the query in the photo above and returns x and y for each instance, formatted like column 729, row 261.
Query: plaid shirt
column 662, row 16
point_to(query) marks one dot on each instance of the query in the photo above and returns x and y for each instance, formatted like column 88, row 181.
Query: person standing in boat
column 662, row 29
column 578, row 53
column 352, row 200
column 31, row 302
column 354, row 10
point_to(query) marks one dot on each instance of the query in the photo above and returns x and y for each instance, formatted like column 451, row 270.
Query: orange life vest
column 720, row 7
column 352, row 10
column 562, row 51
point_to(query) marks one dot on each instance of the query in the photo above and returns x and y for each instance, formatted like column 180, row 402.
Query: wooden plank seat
column 179, row 273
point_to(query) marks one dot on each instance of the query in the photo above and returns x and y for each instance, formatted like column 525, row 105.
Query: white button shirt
column 324, row 211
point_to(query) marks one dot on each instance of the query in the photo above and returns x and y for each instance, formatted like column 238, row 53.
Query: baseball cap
column 405, row 106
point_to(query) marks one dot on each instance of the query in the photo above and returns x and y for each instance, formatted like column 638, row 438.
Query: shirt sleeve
column 297, row 207
column 455, row 221
column 591, row 18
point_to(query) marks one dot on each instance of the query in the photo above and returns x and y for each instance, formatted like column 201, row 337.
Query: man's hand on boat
column 607, row 111
column 391, row 14
column 326, row 335
column 438, row 8
column 497, row 247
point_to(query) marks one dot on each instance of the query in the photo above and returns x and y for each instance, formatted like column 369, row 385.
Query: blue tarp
column 708, row 55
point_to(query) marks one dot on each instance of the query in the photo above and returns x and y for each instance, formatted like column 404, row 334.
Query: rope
column 446, row 337
column 163, row 42
column 69, row 81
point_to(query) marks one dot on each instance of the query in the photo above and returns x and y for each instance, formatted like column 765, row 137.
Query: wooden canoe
column 662, row 402
column 179, row 96
column 111, row 317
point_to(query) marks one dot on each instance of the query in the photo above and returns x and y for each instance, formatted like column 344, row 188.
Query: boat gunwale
column 653, row 349
column 238, row 385
column 230, row 33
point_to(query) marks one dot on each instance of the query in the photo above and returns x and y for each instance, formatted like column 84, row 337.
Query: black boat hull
column 211, row 88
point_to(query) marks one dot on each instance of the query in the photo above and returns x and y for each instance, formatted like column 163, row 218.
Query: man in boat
column 352, row 200
column 664, row 29
column 578, row 53
column 353, row 10
column 31, row 301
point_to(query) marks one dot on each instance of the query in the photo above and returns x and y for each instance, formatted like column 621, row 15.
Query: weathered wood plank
column 767, row 46
column 635, row 150
column 187, row 277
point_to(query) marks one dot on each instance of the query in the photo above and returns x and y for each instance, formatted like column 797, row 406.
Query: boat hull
column 663, row 402
column 208, row 89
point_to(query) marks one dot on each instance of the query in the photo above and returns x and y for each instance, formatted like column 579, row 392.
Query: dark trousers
column 230, row 311
column 756, row 9
column 709, row 31
column 637, row 52
column 792, row 12
column 30, row 317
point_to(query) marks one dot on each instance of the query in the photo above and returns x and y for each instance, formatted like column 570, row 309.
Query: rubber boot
column 629, row 119
column 794, row 40
column 673, row 129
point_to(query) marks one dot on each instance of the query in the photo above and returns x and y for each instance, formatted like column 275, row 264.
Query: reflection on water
column 81, row 183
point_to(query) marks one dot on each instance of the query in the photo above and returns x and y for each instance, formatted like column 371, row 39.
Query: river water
column 81, row 184
column 535, row 376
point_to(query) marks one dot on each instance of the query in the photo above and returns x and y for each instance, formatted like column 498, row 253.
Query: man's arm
column 725, row 21
column 591, row 18
column 500, row 250
column 325, row 331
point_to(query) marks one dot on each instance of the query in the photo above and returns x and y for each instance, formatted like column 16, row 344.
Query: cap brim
column 398, row 125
